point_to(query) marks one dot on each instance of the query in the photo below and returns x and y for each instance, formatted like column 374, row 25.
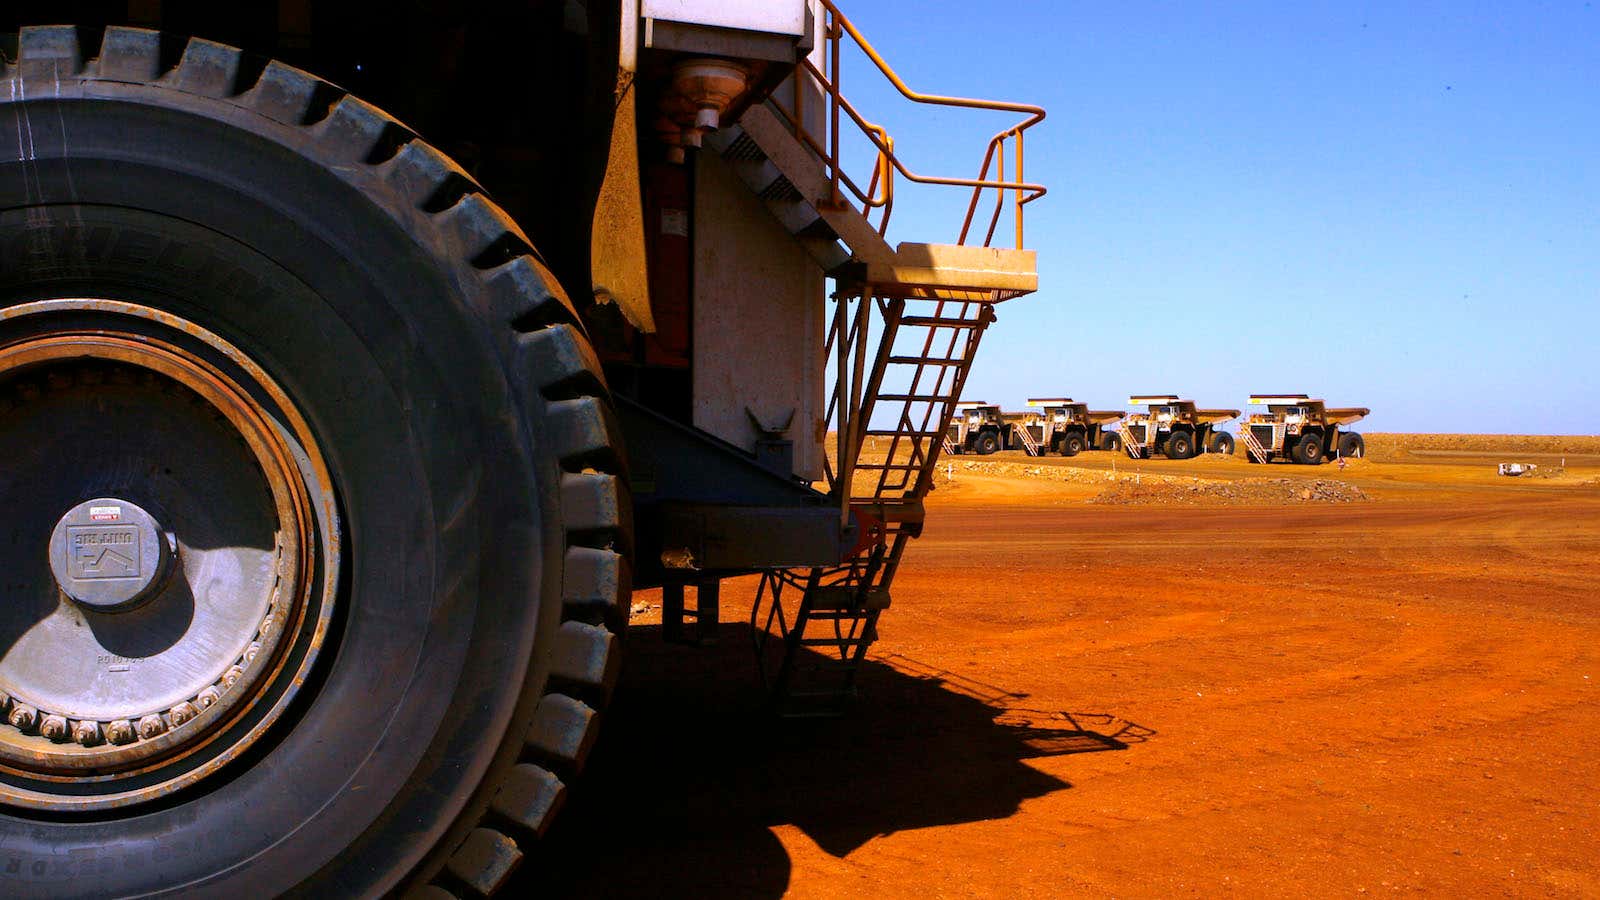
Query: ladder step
column 888, row 432
column 815, row 713
column 817, row 694
column 834, row 642
column 925, row 361
column 916, row 398
column 934, row 322
column 844, row 596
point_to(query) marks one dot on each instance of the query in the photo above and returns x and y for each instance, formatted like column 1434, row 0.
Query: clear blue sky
column 1386, row 205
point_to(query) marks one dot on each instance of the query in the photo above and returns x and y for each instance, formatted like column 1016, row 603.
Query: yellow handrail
column 888, row 163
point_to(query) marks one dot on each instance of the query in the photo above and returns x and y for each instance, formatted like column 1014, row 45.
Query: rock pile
column 1244, row 492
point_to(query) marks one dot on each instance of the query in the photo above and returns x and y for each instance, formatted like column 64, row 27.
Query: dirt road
column 1069, row 699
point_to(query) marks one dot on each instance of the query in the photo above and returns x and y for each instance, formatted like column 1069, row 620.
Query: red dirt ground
column 1393, row 695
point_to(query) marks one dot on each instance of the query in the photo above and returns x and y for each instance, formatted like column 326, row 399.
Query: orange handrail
column 888, row 163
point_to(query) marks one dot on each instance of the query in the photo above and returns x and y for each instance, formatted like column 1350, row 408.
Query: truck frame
column 1301, row 429
column 1175, row 428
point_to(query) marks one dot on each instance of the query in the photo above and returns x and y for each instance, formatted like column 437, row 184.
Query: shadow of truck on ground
column 691, row 772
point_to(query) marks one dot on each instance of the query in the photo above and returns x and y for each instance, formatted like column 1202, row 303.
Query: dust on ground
column 1072, row 698
column 1138, row 487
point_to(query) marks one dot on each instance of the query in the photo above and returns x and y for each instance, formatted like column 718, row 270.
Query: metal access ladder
column 1028, row 443
column 1132, row 446
column 888, row 447
column 924, row 305
column 1253, row 446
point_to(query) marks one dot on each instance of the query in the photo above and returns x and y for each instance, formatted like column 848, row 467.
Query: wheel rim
column 172, row 547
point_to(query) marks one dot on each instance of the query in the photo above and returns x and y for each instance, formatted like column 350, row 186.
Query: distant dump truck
column 1298, row 428
column 327, row 478
column 977, row 427
column 1065, row 426
column 1175, row 428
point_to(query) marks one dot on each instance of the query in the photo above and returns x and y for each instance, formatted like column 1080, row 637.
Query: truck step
column 847, row 597
column 916, row 398
column 833, row 642
column 933, row 322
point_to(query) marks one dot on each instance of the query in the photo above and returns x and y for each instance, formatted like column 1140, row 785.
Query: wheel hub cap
column 108, row 554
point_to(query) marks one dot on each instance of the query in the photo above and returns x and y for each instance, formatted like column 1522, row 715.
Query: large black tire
column 1352, row 445
column 985, row 443
column 1111, row 441
column 472, row 450
column 1308, row 450
column 1073, row 443
column 1221, row 442
column 1180, row 445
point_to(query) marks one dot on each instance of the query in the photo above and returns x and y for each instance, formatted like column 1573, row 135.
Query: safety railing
column 877, row 198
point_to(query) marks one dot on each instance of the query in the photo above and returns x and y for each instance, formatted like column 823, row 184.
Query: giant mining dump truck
column 1175, row 428
column 1068, row 427
column 978, row 427
column 1298, row 428
column 357, row 360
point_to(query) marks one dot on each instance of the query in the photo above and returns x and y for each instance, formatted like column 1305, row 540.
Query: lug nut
column 269, row 624
column 120, row 732
column 207, row 697
column 252, row 651
column 86, row 732
column 233, row 674
column 54, row 728
column 23, row 716
column 182, row 713
column 151, row 726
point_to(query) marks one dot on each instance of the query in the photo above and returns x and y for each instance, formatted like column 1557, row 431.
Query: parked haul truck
column 357, row 361
column 1298, row 428
column 1174, row 428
